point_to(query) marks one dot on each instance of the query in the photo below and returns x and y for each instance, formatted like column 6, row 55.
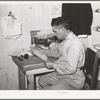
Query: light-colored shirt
column 71, row 53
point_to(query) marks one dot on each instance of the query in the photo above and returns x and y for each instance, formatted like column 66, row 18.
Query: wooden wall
column 33, row 16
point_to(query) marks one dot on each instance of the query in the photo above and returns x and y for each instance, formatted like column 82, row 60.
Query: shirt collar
column 69, row 36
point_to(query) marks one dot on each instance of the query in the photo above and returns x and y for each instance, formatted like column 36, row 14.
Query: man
column 68, row 74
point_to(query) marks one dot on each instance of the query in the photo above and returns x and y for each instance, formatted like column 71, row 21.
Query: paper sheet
column 11, row 28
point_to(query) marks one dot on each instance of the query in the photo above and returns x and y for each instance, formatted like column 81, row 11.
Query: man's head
column 61, row 27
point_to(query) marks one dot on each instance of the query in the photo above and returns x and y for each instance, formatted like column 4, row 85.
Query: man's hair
column 61, row 21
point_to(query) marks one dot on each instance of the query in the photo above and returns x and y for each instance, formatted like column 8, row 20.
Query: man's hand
column 32, row 49
column 49, row 64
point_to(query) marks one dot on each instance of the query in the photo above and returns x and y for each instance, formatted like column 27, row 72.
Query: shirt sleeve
column 69, row 62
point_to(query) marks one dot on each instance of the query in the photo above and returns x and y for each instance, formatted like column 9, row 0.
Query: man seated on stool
column 68, row 74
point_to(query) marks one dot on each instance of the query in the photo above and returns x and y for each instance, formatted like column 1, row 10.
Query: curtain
column 80, row 15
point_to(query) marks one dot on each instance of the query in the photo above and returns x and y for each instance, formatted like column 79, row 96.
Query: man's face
column 58, row 31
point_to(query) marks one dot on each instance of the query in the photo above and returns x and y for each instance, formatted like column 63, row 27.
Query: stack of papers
column 97, row 46
column 43, row 47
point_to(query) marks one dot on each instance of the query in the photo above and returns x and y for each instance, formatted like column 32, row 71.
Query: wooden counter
column 28, row 68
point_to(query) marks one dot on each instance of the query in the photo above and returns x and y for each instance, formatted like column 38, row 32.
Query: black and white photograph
column 50, row 47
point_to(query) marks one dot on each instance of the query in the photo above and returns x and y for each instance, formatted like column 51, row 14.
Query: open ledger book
column 40, row 54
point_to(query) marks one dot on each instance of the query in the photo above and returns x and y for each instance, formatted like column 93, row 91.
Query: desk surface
column 31, row 63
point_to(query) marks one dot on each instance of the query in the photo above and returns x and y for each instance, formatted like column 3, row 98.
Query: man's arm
column 70, row 61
